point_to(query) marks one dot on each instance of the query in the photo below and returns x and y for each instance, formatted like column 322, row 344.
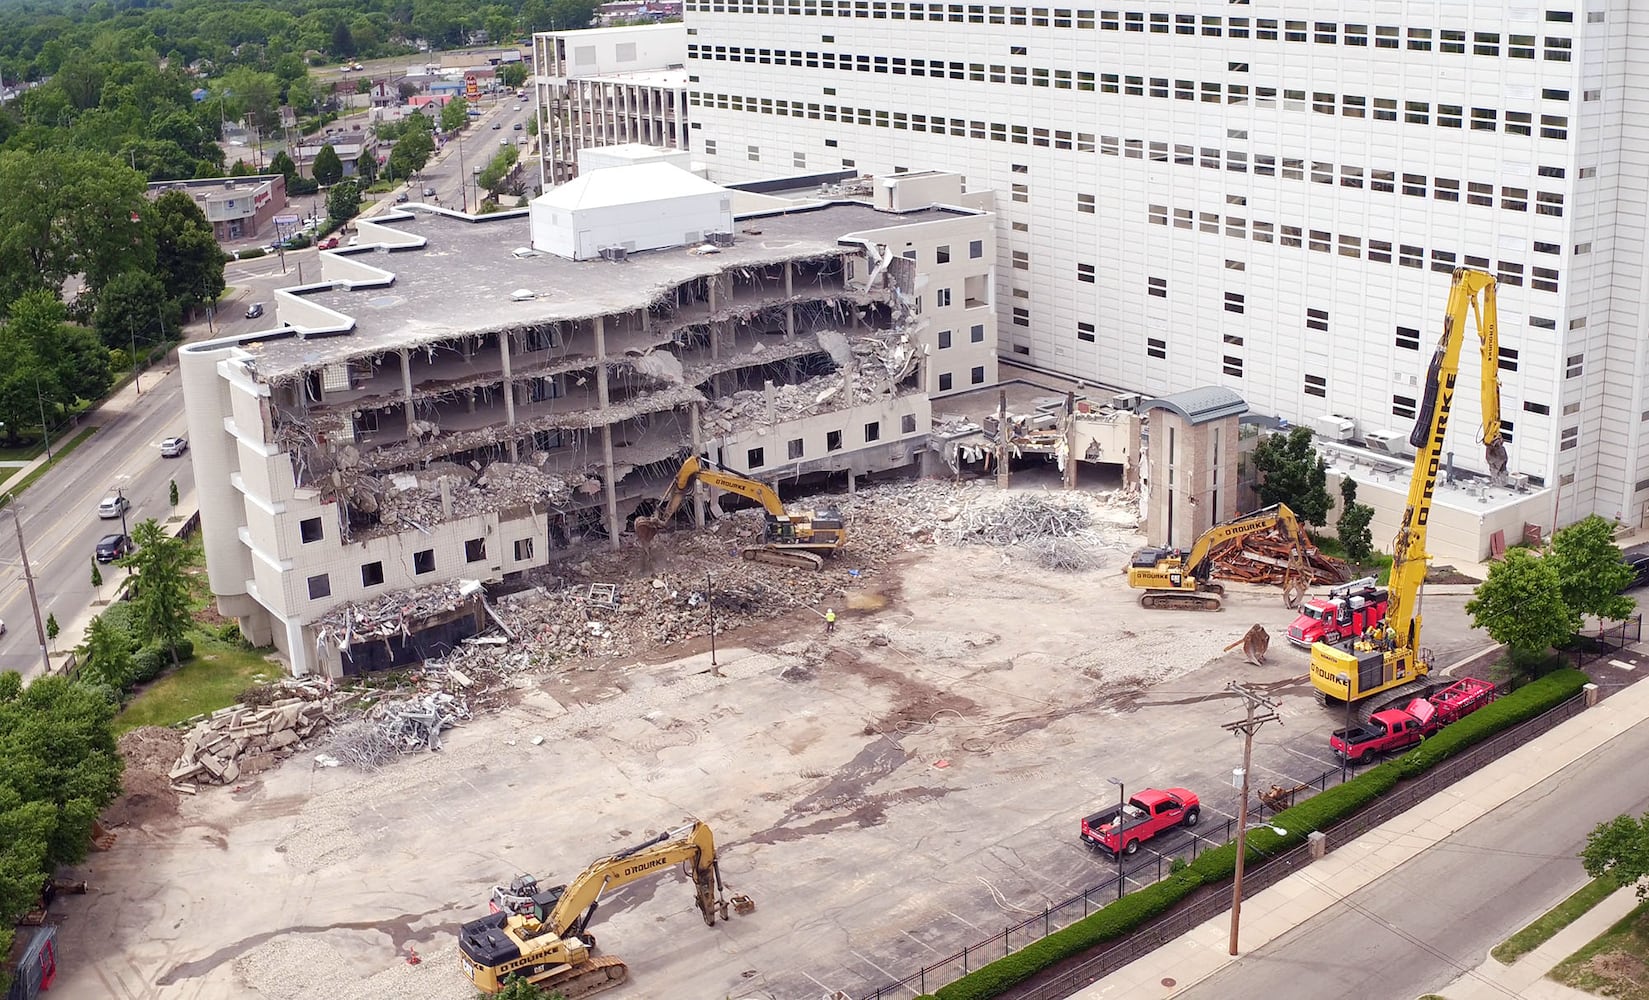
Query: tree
column 97, row 575
column 132, row 309
column 521, row 989
column 1619, row 850
column 1591, row 570
column 1352, row 527
column 1291, row 473
column 108, row 656
column 188, row 260
column 1521, row 604
column 343, row 40
column 241, row 169
column 52, row 630
column 282, row 164
column 254, row 96
column 327, row 168
column 343, row 202
column 455, row 115
column 160, row 593
column 513, row 74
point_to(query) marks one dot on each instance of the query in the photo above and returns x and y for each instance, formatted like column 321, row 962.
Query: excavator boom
column 1344, row 672
column 1174, row 581
column 791, row 538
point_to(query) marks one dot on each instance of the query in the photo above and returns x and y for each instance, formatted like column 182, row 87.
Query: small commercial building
column 239, row 208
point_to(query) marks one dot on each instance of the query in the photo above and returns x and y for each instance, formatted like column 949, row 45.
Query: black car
column 1639, row 561
column 112, row 547
column 255, row 310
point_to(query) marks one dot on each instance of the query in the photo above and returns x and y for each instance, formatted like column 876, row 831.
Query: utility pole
column 34, row 599
column 1247, row 727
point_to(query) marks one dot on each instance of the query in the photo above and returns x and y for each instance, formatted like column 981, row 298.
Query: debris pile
column 394, row 614
column 394, row 728
column 1023, row 517
column 445, row 490
column 1265, row 558
column 241, row 740
column 146, row 792
column 877, row 368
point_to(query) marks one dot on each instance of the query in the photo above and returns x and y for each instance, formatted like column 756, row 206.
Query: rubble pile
column 878, row 366
column 1265, row 558
column 393, row 614
column 394, row 728
column 445, row 490
column 242, row 739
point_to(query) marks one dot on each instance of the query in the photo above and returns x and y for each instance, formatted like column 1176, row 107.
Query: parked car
column 112, row 547
column 254, row 310
column 521, row 141
column 1121, row 829
column 429, row 192
column 113, row 505
column 329, row 243
column 517, row 126
column 497, row 125
column 400, row 197
column 1639, row 561
column 174, row 447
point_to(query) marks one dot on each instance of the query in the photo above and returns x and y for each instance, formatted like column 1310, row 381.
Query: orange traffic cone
column 412, row 956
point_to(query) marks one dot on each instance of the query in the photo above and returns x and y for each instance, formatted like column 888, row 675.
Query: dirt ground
column 886, row 794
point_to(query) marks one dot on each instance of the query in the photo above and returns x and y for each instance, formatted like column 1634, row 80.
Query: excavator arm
column 693, row 844
column 696, row 469
column 1264, row 519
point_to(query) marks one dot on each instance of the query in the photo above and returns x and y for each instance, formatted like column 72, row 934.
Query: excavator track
column 600, row 972
column 1170, row 600
column 781, row 557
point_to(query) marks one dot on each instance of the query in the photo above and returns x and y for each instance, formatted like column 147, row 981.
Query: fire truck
column 1344, row 612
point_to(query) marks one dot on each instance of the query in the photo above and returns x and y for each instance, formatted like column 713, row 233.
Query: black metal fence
column 1150, row 866
column 1605, row 640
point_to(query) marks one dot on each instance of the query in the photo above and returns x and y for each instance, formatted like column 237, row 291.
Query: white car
column 113, row 505
column 174, row 447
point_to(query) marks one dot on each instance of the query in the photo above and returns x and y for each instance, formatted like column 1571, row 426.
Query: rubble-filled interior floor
column 886, row 794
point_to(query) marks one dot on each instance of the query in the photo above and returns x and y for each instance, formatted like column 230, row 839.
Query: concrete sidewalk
column 1186, row 961
column 1526, row 977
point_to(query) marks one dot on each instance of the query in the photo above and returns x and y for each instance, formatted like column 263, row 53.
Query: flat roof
column 453, row 275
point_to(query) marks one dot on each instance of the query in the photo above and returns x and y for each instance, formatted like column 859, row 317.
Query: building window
column 372, row 574
column 1402, row 406
column 833, row 441
column 1508, row 359
column 1156, row 348
column 873, row 431
column 944, row 339
column 423, row 561
column 320, row 586
column 941, row 255
column 1540, row 408
column 754, row 458
column 1085, row 204
column 1317, row 319
column 941, row 298
column 1569, row 439
column 753, row 154
column 977, row 333
column 1233, row 366
column 1234, row 302
column 1021, row 316
column 309, row 529
column 1409, row 337
column 475, row 549
column 976, row 249
column 977, row 376
column 1085, row 272
column 1085, row 332
column 1316, row 385
column 523, row 549
column 1157, row 287
column 1575, row 366
column 944, row 381
column 793, row 448
column 907, row 424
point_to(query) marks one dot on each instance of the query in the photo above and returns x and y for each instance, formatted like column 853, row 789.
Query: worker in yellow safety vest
column 830, row 620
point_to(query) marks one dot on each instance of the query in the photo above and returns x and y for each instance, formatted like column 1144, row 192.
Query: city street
column 476, row 146
column 59, row 512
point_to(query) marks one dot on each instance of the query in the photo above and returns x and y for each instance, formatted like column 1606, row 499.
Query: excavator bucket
column 1254, row 644
column 647, row 529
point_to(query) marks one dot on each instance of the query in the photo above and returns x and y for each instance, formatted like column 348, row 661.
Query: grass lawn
column 1553, row 920
column 214, row 679
column 1615, row 963
column 1378, row 565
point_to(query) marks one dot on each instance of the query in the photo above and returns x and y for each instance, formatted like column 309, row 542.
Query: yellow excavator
column 1179, row 581
column 1353, row 670
column 790, row 538
column 543, row 936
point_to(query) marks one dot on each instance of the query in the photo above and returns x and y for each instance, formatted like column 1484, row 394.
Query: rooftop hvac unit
column 1388, row 442
column 1333, row 427
column 719, row 239
column 1518, row 481
column 615, row 254
column 1130, row 401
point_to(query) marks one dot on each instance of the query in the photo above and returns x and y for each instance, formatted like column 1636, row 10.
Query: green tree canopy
column 1353, row 526
column 1619, row 850
column 327, row 168
column 343, row 40
column 1291, row 473
column 512, row 74
column 343, row 202
column 497, row 171
column 282, row 164
column 1590, row 568
column 454, row 115
column 188, row 260
column 160, row 591
column 108, row 656
column 133, row 309
column 1521, row 604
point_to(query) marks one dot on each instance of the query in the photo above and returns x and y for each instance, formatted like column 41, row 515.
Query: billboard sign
column 472, row 86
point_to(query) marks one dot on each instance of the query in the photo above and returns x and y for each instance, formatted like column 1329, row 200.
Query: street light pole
column 1122, row 806
column 34, row 598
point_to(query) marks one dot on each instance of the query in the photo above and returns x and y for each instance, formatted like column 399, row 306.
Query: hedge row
column 1219, row 864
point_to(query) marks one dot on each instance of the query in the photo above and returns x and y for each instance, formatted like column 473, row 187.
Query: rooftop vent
column 617, row 255
column 719, row 239
column 521, row 253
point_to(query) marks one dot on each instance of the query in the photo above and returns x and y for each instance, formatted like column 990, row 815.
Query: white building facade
column 1265, row 198
column 608, row 86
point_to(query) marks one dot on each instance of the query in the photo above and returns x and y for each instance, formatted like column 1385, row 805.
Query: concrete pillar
column 1319, row 844
column 695, row 418
column 406, row 390
column 509, row 392
column 1002, row 439
column 607, row 477
column 789, row 306
column 1070, row 440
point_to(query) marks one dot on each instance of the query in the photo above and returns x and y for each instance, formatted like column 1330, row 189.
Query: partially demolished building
column 464, row 399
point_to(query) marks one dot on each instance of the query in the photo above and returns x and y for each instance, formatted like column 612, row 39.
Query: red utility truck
column 1344, row 613
column 1123, row 828
column 1398, row 728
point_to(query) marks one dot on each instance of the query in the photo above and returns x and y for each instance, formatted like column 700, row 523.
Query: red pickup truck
column 1123, row 828
column 1398, row 728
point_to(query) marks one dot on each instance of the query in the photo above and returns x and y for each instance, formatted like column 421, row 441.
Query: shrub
column 1521, row 705
column 251, row 253
column 185, row 649
column 148, row 663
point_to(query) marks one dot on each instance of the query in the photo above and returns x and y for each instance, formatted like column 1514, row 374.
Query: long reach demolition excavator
column 1349, row 671
column 543, row 936
column 789, row 538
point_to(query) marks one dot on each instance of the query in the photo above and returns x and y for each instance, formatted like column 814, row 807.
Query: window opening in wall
column 1540, row 408
column 977, row 375
column 372, row 574
column 1232, row 366
column 1157, row 287
column 320, row 586
column 941, row 254
column 475, row 549
column 754, row 458
column 1575, row 366
column 1402, row 406
column 1234, row 302
column 423, row 561
column 1156, row 348
column 1508, row 359
column 977, row 333
column 873, row 431
column 523, row 549
column 944, row 381
column 907, row 423
column 1408, row 337
column 1317, row 319
column 793, row 448
column 1569, row 439
column 976, row 249
column 941, row 298
column 1085, row 332
column 309, row 529
column 1316, row 385
column 833, row 441
column 1085, row 272
column 944, row 339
